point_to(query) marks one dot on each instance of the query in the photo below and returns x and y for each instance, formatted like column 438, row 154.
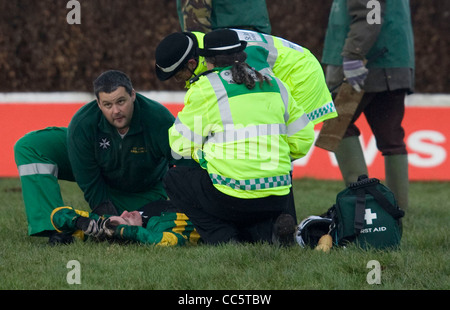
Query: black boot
column 60, row 238
column 284, row 230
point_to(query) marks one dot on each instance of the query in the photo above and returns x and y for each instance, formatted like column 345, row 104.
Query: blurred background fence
column 40, row 51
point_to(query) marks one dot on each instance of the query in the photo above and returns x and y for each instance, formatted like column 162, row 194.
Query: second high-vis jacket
column 293, row 64
column 246, row 139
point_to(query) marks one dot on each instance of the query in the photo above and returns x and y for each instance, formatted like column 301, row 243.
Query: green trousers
column 41, row 158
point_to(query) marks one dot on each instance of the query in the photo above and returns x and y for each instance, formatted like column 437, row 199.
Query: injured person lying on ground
column 168, row 229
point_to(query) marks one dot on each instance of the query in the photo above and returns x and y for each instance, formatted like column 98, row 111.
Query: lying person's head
column 132, row 218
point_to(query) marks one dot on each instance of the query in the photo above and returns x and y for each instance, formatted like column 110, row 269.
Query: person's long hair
column 241, row 72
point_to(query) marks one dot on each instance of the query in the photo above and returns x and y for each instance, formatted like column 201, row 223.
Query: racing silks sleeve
column 142, row 235
column 169, row 229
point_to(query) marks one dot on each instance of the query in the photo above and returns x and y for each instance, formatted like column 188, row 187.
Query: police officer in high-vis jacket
column 176, row 56
column 244, row 129
column 177, row 59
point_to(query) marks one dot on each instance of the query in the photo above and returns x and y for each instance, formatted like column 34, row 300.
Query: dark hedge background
column 40, row 51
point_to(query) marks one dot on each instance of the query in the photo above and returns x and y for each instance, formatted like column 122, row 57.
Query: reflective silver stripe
column 290, row 44
column 273, row 52
column 252, row 184
column 187, row 133
column 285, row 97
column 248, row 35
column 266, row 71
column 32, row 169
column 270, row 47
column 224, row 48
column 231, row 135
column 297, row 125
column 222, row 99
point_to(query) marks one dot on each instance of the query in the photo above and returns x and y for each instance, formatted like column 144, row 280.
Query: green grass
column 422, row 263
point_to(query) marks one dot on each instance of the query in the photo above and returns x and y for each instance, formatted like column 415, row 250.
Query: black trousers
column 384, row 113
column 220, row 218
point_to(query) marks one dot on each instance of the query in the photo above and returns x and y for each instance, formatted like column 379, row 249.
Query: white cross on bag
column 369, row 216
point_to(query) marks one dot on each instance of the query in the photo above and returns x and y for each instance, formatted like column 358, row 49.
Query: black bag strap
column 360, row 207
column 370, row 187
column 385, row 203
column 365, row 185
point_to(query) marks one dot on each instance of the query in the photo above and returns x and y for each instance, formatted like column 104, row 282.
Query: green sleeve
column 145, row 236
column 362, row 35
column 168, row 229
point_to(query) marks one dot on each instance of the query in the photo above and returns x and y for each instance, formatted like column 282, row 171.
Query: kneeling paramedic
column 177, row 58
column 244, row 129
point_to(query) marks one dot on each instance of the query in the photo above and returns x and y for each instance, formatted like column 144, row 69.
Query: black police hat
column 220, row 42
column 173, row 53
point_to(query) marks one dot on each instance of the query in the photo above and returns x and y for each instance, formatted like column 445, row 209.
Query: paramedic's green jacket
column 128, row 171
column 245, row 139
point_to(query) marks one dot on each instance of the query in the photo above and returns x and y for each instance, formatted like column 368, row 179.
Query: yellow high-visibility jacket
column 245, row 139
column 293, row 64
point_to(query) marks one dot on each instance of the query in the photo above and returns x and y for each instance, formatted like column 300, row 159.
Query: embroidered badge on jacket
column 104, row 144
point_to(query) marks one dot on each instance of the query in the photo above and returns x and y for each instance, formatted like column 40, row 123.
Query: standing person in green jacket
column 207, row 15
column 361, row 30
column 116, row 148
column 244, row 129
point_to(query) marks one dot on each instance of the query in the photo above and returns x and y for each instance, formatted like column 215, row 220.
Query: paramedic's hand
column 355, row 73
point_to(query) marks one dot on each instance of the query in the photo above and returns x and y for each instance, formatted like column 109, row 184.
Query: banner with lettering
column 427, row 138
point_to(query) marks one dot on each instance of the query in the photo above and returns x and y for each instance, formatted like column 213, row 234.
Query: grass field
column 422, row 263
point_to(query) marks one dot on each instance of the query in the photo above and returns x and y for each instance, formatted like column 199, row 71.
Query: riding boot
column 350, row 158
column 396, row 172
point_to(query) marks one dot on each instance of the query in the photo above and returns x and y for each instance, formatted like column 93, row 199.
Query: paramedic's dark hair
column 110, row 80
column 242, row 73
